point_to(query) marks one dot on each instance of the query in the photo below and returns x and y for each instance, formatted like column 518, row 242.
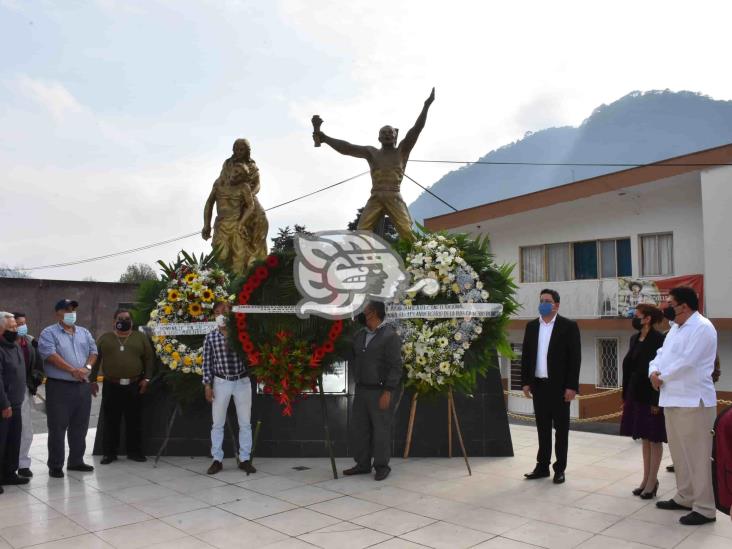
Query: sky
column 115, row 116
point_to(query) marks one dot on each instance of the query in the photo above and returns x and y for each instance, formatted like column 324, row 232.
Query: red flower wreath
column 289, row 366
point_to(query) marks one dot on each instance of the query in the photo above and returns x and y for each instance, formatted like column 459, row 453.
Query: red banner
column 633, row 291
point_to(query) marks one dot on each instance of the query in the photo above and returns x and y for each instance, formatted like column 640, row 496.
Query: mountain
column 639, row 128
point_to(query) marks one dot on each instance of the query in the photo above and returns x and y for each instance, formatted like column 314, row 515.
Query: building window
column 514, row 370
column 576, row 260
column 532, row 264
column 657, row 254
column 607, row 363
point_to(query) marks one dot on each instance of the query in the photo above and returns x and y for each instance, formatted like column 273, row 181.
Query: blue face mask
column 22, row 330
column 545, row 309
column 70, row 318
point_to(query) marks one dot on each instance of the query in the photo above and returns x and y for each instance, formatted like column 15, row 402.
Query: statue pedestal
column 483, row 421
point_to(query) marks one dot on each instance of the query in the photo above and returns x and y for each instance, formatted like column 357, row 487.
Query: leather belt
column 122, row 380
column 233, row 378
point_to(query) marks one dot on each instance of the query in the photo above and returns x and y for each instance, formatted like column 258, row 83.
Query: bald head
column 388, row 136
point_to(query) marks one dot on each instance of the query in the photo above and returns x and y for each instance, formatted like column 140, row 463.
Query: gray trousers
column 371, row 429
column 68, row 405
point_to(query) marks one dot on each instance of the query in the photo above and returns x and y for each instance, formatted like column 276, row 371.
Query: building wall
column 716, row 197
column 37, row 297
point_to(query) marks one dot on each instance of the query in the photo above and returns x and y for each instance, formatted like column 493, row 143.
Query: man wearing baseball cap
column 68, row 352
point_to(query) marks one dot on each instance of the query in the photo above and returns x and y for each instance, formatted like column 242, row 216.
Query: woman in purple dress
column 642, row 417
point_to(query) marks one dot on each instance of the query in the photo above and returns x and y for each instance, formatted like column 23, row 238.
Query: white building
column 589, row 238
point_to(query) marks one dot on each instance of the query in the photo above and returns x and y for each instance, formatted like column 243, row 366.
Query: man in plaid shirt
column 224, row 377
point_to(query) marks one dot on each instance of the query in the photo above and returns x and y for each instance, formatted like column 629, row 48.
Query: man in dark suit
column 550, row 365
column 377, row 362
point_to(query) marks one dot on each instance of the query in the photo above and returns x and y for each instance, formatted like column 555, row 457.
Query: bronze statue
column 387, row 170
column 240, row 230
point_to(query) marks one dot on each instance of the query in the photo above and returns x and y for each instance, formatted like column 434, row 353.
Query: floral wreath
column 443, row 353
column 190, row 296
column 286, row 354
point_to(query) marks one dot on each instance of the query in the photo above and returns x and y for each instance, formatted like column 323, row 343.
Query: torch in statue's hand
column 317, row 122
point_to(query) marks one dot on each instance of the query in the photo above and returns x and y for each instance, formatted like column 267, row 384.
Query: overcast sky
column 115, row 117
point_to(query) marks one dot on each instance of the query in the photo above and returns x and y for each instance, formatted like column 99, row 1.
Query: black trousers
column 117, row 401
column 370, row 429
column 68, row 405
column 551, row 410
column 10, row 430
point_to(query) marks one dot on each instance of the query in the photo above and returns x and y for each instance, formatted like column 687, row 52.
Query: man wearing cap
column 69, row 353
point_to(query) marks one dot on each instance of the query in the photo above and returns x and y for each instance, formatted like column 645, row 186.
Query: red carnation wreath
column 286, row 354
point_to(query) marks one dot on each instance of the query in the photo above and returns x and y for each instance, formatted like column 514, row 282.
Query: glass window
column 625, row 265
column 607, row 363
column 585, row 260
column 657, row 257
column 608, row 259
column 532, row 264
column 558, row 262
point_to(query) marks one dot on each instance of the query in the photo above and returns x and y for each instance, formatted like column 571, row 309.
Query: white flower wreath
column 189, row 297
column 433, row 349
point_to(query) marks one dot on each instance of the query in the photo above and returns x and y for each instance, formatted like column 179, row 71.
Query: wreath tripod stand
column 451, row 416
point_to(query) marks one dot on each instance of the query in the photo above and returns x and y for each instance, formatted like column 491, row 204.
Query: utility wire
column 580, row 164
column 176, row 238
column 433, row 194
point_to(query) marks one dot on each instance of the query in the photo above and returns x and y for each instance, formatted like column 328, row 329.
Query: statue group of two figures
column 240, row 229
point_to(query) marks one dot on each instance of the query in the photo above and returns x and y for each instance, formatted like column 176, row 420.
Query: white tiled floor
column 425, row 502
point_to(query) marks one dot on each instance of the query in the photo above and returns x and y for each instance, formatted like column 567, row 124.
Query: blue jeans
column 223, row 391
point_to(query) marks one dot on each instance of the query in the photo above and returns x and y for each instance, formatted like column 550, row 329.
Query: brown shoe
column 247, row 467
column 215, row 468
column 356, row 470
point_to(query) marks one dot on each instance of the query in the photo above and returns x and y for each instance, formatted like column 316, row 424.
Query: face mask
column 637, row 323
column 22, row 330
column 221, row 321
column 361, row 319
column 670, row 313
column 123, row 325
column 545, row 309
column 70, row 318
column 10, row 336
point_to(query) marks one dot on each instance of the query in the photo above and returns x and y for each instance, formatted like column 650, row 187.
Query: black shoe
column 558, row 478
column 25, row 472
column 382, row 473
column 81, row 467
column 638, row 491
column 56, row 473
column 695, row 519
column 537, row 473
column 14, row 480
column 671, row 505
column 356, row 470
column 247, row 466
column 1, row 490
column 106, row 460
column 670, row 469
column 650, row 495
column 214, row 468
column 137, row 457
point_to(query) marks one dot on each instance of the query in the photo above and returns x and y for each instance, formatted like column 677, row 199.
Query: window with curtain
column 657, row 254
column 532, row 264
column 625, row 264
column 585, row 260
column 558, row 262
column 615, row 258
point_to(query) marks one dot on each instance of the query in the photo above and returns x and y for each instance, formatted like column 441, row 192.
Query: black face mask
column 9, row 336
column 123, row 325
column 670, row 313
column 637, row 324
column 361, row 319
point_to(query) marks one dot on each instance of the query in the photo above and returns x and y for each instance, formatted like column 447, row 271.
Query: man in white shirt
column 682, row 371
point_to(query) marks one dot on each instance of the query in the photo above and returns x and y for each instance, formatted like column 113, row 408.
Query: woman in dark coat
column 642, row 417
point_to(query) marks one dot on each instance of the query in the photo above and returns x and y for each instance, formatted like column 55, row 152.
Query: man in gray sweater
column 377, row 365
column 12, row 393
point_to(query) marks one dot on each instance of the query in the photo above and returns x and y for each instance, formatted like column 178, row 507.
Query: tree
column 9, row 272
column 285, row 238
column 390, row 233
column 137, row 272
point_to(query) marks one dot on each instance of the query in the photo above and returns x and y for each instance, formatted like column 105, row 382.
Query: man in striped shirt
column 225, row 376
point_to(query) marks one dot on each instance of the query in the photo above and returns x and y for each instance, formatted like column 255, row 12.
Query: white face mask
column 70, row 318
column 221, row 321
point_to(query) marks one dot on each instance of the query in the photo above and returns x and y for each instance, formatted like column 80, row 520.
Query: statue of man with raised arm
column 387, row 170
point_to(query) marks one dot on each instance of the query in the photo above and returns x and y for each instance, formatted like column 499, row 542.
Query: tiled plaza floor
column 425, row 502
